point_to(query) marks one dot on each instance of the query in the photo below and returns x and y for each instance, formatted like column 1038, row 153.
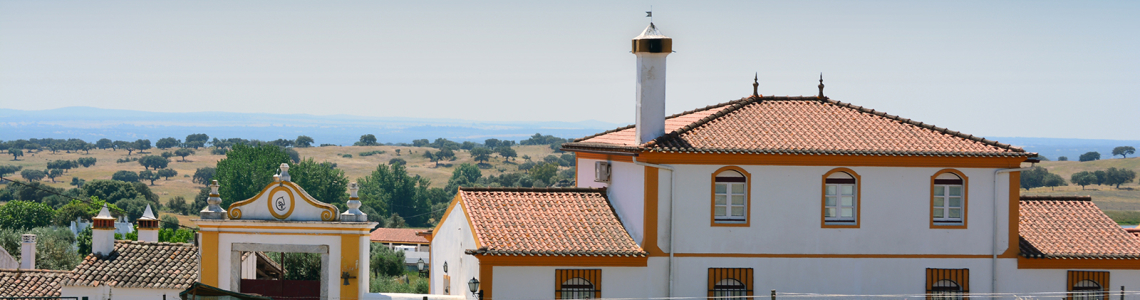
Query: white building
column 798, row 194
column 407, row 240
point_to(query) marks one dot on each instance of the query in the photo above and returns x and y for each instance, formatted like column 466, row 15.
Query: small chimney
column 103, row 233
column 148, row 226
column 28, row 251
column 651, row 47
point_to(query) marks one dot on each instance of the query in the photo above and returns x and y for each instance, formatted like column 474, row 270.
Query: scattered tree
column 1083, row 179
column 203, row 175
column 397, row 161
column 1063, row 158
column 544, row 171
column 142, row 144
column 366, row 140
column 169, row 222
column 148, row 175
column 197, row 140
column 420, row 142
column 9, row 169
column 167, row 173
column 153, row 161
column 1090, row 156
column 53, row 173
column 16, row 153
column 1120, row 176
column 126, row 176
column 303, row 141
column 104, row 144
column 1123, row 151
column 32, row 175
column 507, row 152
column 481, row 154
column 86, row 161
column 184, row 152
column 167, row 143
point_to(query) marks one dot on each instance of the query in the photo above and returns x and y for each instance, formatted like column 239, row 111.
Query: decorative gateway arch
column 284, row 218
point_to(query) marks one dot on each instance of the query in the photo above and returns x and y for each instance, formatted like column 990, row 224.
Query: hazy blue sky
column 991, row 68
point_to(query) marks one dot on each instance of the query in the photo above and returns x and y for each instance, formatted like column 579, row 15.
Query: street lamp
column 420, row 265
column 474, row 286
column 445, row 267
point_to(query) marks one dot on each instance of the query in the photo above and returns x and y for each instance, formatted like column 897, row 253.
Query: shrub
column 374, row 152
column 124, row 175
column 346, row 155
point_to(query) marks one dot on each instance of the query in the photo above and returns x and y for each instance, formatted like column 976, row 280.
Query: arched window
column 730, row 283
column 729, row 287
column 1088, row 290
column 730, row 197
column 946, row 289
column 578, row 283
column 948, row 199
column 577, row 288
column 841, row 198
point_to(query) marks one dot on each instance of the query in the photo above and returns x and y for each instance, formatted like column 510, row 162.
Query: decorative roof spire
column 756, row 85
column 148, row 214
column 821, row 85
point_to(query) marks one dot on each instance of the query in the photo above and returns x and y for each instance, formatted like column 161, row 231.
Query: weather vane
column 649, row 14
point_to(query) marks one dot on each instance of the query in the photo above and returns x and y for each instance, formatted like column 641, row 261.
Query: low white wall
column 107, row 293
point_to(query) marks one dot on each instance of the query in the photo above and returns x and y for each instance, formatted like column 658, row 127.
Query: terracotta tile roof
column 397, row 235
column 546, row 222
column 1133, row 231
column 140, row 265
column 797, row 125
column 31, row 283
column 1072, row 227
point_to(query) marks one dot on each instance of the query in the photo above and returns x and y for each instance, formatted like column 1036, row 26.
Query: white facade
column 453, row 234
column 108, row 293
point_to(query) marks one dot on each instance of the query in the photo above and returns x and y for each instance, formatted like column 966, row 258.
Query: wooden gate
column 293, row 289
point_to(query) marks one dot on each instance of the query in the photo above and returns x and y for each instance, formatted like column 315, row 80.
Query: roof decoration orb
column 353, row 214
column 284, row 175
column 213, row 210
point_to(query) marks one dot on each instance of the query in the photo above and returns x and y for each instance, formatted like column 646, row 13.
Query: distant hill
column 90, row 124
column 1052, row 148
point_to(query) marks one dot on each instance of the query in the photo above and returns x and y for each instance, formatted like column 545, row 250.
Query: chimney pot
column 651, row 48
column 28, row 251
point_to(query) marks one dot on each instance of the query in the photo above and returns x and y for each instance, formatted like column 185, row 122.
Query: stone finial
column 353, row 214
column 284, row 172
column 756, row 85
column 213, row 210
column 821, row 85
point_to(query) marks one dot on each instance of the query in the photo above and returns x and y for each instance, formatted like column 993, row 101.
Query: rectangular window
column 948, row 203
column 840, row 200
column 731, row 200
column 730, row 283
column 1088, row 285
column 577, row 283
column 947, row 284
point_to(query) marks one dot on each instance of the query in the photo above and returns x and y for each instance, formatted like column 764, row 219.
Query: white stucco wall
column 538, row 282
column 108, row 293
column 785, row 213
column 448, row 243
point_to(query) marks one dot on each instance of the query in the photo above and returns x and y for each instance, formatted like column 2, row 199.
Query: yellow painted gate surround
column 349, row 235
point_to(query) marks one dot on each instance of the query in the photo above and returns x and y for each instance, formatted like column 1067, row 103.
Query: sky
column 990, row 68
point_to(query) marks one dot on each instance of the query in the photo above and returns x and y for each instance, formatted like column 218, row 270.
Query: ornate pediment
column 283, row 200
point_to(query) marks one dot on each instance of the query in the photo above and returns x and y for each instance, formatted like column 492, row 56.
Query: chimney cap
column 148, row 214
column 104, row 213
column 651, row 32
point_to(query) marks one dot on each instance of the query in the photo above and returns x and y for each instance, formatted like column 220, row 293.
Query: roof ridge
column 133, row 242
column 923, row 125
column 1055, row 198
column 722, row 104
column 531, row 189
column 35, row 270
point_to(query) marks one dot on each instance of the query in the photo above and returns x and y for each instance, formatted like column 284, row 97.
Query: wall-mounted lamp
column 473, row 285
column 445, row 267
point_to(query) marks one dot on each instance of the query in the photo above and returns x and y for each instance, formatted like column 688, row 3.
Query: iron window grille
column 578, row 283
column 1088, row 285
column 947, row 284
column 730, row 283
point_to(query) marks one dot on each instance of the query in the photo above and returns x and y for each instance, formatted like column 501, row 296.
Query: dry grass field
column 1108, row 198
column 355, row 167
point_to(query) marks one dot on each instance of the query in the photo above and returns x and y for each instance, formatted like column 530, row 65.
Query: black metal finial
column 821, row 85
column 756, row 85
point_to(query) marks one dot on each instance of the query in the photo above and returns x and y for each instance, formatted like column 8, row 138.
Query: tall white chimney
column 28, row 251
column 651, row 47
column 148, row 226
column 103, row 233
